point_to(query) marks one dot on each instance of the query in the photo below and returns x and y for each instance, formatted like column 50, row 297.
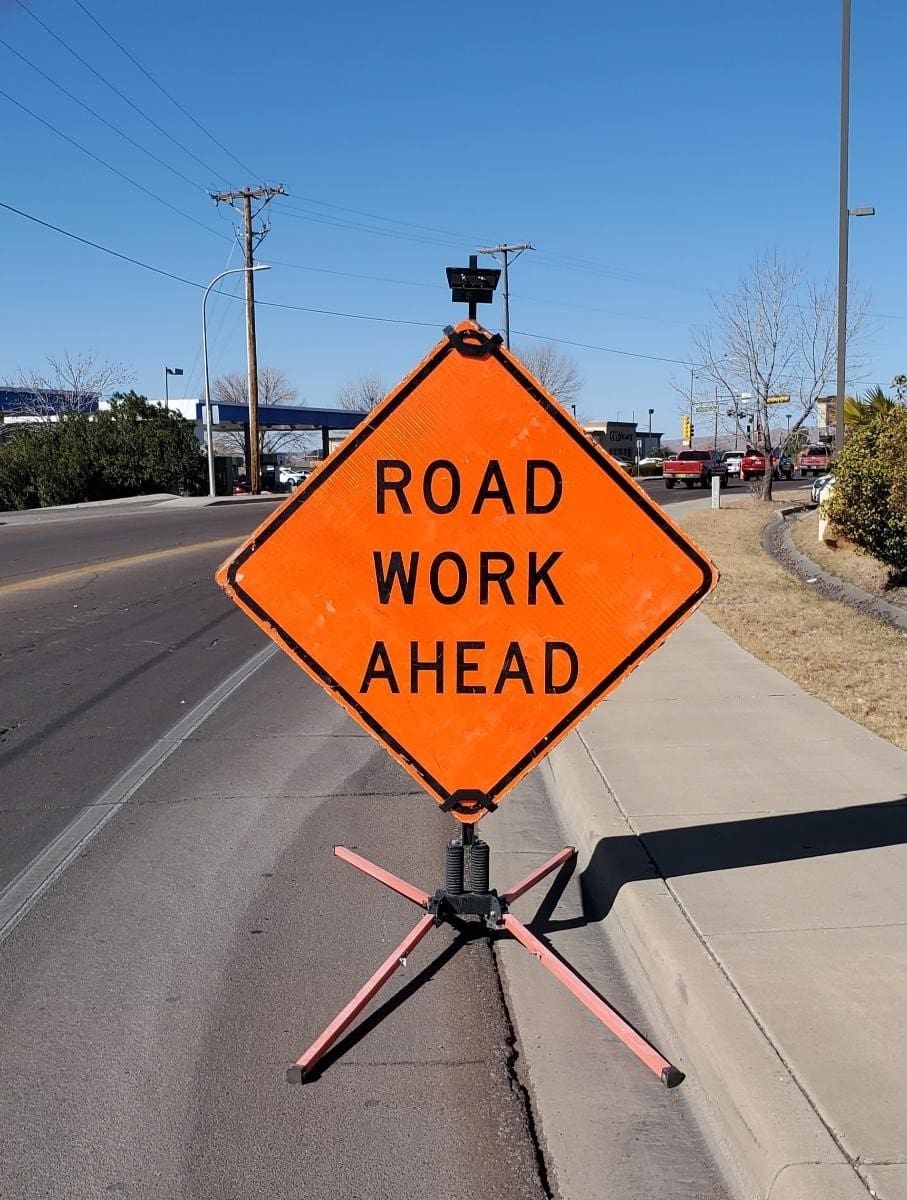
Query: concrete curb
column 804, row 568
column 761, row 1125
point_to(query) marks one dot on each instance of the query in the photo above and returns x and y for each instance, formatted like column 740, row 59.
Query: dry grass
column 846, row 561
column 850, row 661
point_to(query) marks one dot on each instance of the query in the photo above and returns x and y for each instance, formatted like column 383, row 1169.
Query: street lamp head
column 861, row 212
column 261, row 267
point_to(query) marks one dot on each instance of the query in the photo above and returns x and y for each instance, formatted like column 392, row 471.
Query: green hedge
column 869, row 500
column 133, row 449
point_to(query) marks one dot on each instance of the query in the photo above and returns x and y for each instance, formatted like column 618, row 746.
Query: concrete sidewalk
column 743, row 848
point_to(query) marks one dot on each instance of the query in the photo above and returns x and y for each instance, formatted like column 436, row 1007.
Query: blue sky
column 648, row 151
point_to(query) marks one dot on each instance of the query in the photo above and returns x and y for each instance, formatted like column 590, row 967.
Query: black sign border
column 349, row 447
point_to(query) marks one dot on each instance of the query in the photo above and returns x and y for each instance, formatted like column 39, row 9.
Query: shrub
column 869, row 500
column 134, row 448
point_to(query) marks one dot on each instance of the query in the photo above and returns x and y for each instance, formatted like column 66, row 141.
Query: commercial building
column 623, row 439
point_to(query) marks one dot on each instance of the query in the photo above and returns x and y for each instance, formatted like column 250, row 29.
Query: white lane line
column 23, row 892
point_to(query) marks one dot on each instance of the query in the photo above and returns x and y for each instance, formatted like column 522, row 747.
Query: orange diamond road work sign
column 468, row 574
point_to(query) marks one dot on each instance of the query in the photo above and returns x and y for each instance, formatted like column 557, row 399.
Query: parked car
column 753, row 464
column 653, row 460
column 819, row 486
column 292, row 476
column 813, row 461
column 733, row 458
column 695, row 466
column 624, row 462
column 241, row 487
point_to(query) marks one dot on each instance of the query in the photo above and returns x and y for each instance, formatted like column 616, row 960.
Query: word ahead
column 468, row 574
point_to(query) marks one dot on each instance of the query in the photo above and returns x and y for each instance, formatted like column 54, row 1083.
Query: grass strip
column 847, row 561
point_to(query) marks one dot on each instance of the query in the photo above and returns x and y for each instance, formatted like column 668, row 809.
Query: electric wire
column 116, row 171
column 330, row 312
column 683, row 362
column 136, row 262
column 201, row 286
column 98, row 116
column 116, row 91
column 195, row 370
column 390, row 220
column 360, row 227
column 164, row 91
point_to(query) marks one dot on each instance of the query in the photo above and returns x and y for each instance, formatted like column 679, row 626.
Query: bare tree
column 361, row 395
column 70, row 384
column 774, row 336
column 273, row 389
column 557, row 372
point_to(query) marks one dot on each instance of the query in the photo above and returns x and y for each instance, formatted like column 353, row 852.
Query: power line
column 409, row 283
column 102, row 119
column 683, row 362
column 440, row 287
column 464, row 237
column 327, row 312
column 141, row 187
column 191, row 381
column 163, row 90
column 117, row 91
column 359, row 226
column 136, row 262
column 549, row 258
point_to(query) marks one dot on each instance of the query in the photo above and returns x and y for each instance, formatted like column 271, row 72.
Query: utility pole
column 506, row 254
column 246, row 196
column 843, row 230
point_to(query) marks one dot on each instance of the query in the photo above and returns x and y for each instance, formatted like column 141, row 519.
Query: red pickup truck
column 813, row 460
column 694, row 466
column 754, row 464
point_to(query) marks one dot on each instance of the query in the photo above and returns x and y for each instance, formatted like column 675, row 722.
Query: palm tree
column 874, row 404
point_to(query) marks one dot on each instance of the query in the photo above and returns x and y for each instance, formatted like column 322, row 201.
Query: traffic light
column 687, row 428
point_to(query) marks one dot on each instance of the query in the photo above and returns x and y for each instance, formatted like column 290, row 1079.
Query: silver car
column 819, row 486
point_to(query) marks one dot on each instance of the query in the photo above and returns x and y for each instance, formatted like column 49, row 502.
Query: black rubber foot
column 296, row 1075
column 672, row 1077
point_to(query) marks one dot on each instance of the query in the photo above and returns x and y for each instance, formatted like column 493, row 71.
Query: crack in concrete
column 517, row 1086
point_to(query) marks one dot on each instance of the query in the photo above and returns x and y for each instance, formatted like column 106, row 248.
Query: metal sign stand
column 467, row 895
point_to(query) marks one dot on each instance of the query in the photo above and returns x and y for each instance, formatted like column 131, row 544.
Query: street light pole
column 209, row 432
column 843, row 230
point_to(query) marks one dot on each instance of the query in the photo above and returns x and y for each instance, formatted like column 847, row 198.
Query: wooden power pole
column 246, row 196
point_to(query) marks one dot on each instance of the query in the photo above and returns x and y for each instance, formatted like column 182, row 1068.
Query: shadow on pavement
column 726, row 845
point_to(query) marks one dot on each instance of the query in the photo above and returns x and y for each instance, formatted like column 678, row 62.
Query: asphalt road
column 736, row 488
column 97, row 663
column 152, row 998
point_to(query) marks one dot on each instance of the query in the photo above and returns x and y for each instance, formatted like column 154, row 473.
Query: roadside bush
column 134, row 448
column 869, row 501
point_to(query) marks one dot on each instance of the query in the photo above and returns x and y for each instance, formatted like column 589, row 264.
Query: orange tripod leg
column 394, row 882
column 669, row 1074
column 302, row 1068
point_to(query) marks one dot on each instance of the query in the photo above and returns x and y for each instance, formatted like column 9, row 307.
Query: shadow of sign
column 727, row 845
